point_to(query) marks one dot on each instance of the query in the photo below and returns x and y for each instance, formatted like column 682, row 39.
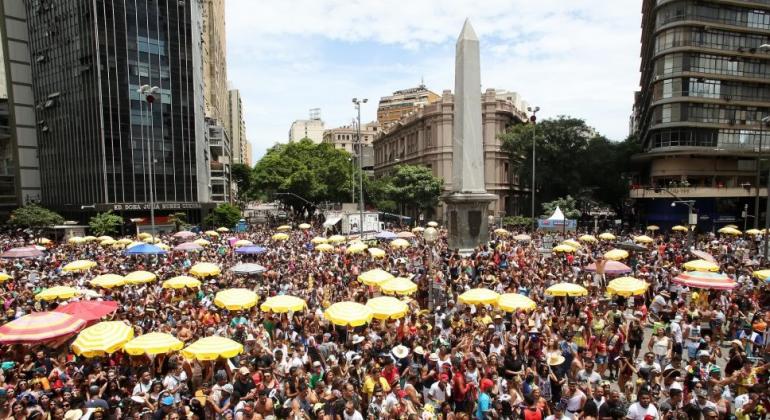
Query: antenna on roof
column 315, row 113
column 422, row 81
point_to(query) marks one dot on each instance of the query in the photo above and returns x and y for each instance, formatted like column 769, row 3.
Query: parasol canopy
column 405, row 234
column 611, row 267
column 700, row 265
column 566, row 289
column 522, row 237
column 283, row 228
column 705, row 280
column 280, row 237
column 588, row 238
column 398, row 286
column 433, row 224
column 153, row 343
column 304, row 226
column 89, row 310
column 356, row 248
column 108, row 281
column 616, row 254
column 606, row 236
column 653, row 228
column 282, row 304
column 375, row 277
column 22, row 252
column 188, row 247
column 376, row 252
column 144, row 249
column 386, row 235
column 139, row 277
column 762, row 274
column 248, row 268
column 235, row 299
column 479, row 296
column 202, row 242
column 205, row 269
column 103, row 338
column 643, row 239
column 679, row 228
column 79, row 265
column 501, row 232
column 184, row 234
column 564, row 248
column 627, row 286
column 57, row 292
column 387, row 307
column 336, row 239
column 730, row 231
column 40, row 327
column 352, row 314
column 324, row 248
column 399, row 243
column 573, row 243
column 212, row 348
column 250, row 250
column 512, row 302
column 703, row 255
column 180, row 282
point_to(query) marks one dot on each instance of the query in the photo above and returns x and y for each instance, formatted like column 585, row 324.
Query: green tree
column 225, row 214
column 567, row 204
column 179, row 219
column 304, row 171
column 105, row 223
column 35, row 216
column 416, row 187
column 243, row 176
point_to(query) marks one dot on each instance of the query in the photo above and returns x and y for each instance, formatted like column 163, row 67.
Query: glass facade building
column 101, row 142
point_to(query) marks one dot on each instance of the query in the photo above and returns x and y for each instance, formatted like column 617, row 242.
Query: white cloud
column 576, row 58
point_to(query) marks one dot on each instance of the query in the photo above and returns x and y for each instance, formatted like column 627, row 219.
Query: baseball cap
column 244, row 370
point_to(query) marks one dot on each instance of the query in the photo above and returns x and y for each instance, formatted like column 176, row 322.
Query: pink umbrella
column 89, row 310
column 611, row 267
column 184, row 234
column 703, row 255
column 188, row 246
column 705, row 280
column 26, row 252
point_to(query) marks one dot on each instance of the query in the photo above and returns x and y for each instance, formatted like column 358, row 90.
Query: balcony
column 698, row 192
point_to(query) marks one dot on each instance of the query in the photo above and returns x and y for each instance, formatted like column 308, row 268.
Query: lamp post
column 762, row 123
column 149, row 96
column 690, row 212
column 533, row 119
column 357, row 102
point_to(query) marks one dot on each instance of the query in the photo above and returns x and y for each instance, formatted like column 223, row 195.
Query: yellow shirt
column 369, row 385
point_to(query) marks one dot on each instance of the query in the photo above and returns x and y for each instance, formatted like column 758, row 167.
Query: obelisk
column 467, row 202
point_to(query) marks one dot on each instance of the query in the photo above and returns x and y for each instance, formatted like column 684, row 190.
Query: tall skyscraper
column 704, row 92
column 215, row 60
column 101, row 143
column 237, row 127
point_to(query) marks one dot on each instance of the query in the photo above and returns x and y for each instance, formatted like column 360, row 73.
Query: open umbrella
column 479, row 296
column 89, row 310
column 205, row 269
column 79, row 265
column 212, row 233
column 144, row 249
column 522, row 237
column 188, row 247
column 573, row 243
column 282, row 304
column 630, row 246
column 731, row 226
column 212, row 348
column 202, row 242
column 223, row 229
column 564, row 248
column 153, row 343
column 280, row 237
column 643, row 239
column 730, row 231
column 23, row 252
column 151, row 240
column 627, row 286
column 4, row 277
column 283, row 228
column 319, row 240
column 235, row 299
column 376, row 252
column 679, row 228
column 336, row 239
column 753, row 232
column 304, row 226
column 180, row 282
column 242, row 242
column 587, row 238
column 606, row 236
column 762, row 274
column 501, row 232
column 418, row 229
column 184, row 234
column 566, row 289
column 324, row 248
column 76, row 240
column 399, row 243
column 616, row 254
column 57, row 292
column 387, row 307
column 398, row 286
column 700, row 265
column 124, row 241
column 250, row 250
column 653, row 228
column 103, row 338
column 40, row 327
column 248, row 268
column 386, row 235
column 108, row 242
column 356, row 248
column 433, row 224
column 352, row 314
column 610, row 267
column 703, row 255
column 375, row 277
column 405, row 234
column 512, row 302
column 705, row 280
column 108, row 281
column 139, row 277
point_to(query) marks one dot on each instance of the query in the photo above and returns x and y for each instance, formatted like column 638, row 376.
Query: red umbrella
column 40, row 327
column 89, row 310
column 25, row 252
column 705, row 280
column 703, row 255
column 611, row 267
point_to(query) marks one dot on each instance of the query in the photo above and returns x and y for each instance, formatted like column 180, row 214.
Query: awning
column 332, row 221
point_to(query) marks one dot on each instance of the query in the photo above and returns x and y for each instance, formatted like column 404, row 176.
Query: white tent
column 557, row 215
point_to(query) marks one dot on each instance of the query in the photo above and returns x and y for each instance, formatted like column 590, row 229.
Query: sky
column 577, row 58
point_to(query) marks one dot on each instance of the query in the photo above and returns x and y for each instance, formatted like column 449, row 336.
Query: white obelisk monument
column 468, row 201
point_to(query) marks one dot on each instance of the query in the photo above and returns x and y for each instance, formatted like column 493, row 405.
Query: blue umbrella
column 144, row 249
column 250, row 250
column 386, row 234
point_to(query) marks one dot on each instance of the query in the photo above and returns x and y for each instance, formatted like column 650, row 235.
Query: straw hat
column 555, row 359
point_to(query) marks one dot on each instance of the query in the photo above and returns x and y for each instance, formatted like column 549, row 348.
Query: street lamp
column 533, row 119
column 357, row 102
column 690, row 222
column 149, row 96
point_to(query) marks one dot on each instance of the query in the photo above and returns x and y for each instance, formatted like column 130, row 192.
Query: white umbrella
column 248, row 268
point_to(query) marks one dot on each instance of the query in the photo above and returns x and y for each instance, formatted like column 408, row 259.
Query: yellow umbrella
column 587, row 238
column 304, row 226
column 418, row 229
column 432, row 224
column 139, row 277
column 107, row 242
column 4, row 276
column 283, row 304
column 376, row 252
column 351, row 314
column 43, row 241
column 212, row 233
column 108, row 281
column 144, row 235
column 223, row 229
column 399, row 243
column 118, row 245
column 151, row 240
column 522, row 237
column 235, row 299
column 701, row 265
column 627, row 286
column 356, row 248
column 57, row 292
column 124, row 241
column 201, row 242
column 398, row 286
column 616, row 254
column 76, row 240
column 103, row 338
column 564, row 248
column 133, row 244
column 653, row 228
column 730, row 231
column 242, row 242
column 753, row 232
column 205, row 269
column 731, row 226
column 643, row 239
column 105, row 238
column 164, row 247
column 79, row 265
column 318, row 240
column 180, row 282
column 375, row 277
column 336, row 239
column 501, row 232
column 511, row 302
column 606, row 236
column 679, row 228
column 762, row 274
column 89, row 238
column 479, row 296
column 283, row 228
column 280, row 237
column 153, row 343
column 566, row 289
column 212, row 348
column 324, row 248
column 387, row 307
column 573, row 243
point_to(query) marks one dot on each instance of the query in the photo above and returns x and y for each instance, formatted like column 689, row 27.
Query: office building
column 704, row 91
column 247, row 160
column 345, row 138
column 236, row 127
column 312, row 128
column 221, row 188
column 102, row 144
column 215, row 59
column 19, row 164
column 392, row 108
column 424, row 137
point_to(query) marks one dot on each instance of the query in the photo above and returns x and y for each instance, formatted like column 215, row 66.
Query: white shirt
column 676, row 332
column 439, row 395
column 637, row 412
column 356, row 415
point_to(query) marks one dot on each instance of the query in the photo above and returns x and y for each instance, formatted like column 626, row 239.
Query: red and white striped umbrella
column 705, row 280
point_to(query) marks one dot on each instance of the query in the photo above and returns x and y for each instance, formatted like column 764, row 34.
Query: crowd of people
column 671, row 352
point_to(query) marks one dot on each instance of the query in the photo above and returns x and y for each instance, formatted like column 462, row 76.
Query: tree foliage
column 35, row 216
column 225, row 214
column 243, row 176
column 315, row 172
column 414, row 186
column 572, row 159
column 179, row 219
column 105, row 223
column 568, row 205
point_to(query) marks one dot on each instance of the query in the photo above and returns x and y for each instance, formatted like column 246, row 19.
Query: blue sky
column 570, row 58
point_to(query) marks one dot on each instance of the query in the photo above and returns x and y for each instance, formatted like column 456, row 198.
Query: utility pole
column 357, row 104
column 533, row 120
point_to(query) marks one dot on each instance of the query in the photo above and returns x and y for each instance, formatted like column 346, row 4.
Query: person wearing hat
column 484, row 401
column 220, row 401
column 244, row 384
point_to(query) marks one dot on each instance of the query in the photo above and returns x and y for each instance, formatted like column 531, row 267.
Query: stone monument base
column 467, row 219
